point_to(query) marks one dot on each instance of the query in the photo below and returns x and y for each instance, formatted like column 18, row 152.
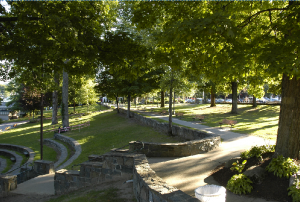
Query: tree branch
column 13, row 19
column 248, row 20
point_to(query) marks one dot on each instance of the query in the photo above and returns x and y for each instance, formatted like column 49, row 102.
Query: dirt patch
column 272, row 187
column 125, row 192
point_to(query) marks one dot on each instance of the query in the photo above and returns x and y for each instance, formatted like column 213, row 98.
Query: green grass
column 107, row 130
column 110, row 130
column 261, row 121
column 110, row 194
column 9, row 164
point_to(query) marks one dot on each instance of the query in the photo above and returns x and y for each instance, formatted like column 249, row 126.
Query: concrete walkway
column 41, row 185
column 190, row 172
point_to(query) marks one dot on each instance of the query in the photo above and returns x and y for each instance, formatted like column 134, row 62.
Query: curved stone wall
column 195, row 141
column 73, row 143
column 175, row 149
column 60, row 149
column 21, row 149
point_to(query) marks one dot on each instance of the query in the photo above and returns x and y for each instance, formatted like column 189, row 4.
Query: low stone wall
column 183, row 133
column 60, row 149
column 73, row 143
column 174, row 149
column 147, row 186
column 197, row 142
column 21, row 149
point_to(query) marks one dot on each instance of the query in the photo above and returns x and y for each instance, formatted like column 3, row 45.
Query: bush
column 238, row 166
column 239, row 184
column 282, row 166
column 257, row 151
column 294, row 191
column 1, row 121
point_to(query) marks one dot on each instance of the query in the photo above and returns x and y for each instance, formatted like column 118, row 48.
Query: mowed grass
column 107, row 130
column 111, row 130
column 261, row 121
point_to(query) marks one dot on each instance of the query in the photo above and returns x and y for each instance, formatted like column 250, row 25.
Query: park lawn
column 261, row 121
column 110, row 130
column 107, row 130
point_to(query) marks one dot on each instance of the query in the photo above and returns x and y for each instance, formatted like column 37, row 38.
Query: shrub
column 1, row 121
column 282, row 166
column 257, row 151
column 238, row 166
column 294, row 191
column 239, row 184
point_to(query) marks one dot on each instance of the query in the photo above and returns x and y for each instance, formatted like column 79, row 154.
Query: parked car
column 219, row 100
column 228, row 100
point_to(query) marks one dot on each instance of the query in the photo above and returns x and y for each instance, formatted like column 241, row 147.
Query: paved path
column 11, row 124
column 41, row 185
column 190, row 172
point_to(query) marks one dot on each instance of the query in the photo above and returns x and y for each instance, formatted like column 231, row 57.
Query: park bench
column 7, row 128
column 179, row 114
column 228, row 122
column 15, row 125
column 199, row 117
column 152, row 110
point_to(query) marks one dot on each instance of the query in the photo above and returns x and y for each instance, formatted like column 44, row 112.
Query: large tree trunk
column 254, row 102
column 212, row 97
column 65, row 111
column 128, row 105
column 55, row 101
column 170, row 112
column 162, row 97
column 288, row 137
column 234, row 97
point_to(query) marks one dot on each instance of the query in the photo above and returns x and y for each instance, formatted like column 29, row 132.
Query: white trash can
column 211, row 193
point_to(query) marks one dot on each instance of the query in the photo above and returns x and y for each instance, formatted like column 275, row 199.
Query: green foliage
column 294, row 191
column 282, row 166
column 257, row 151
column 239, row 184
column 238, row 166
column 1, row 121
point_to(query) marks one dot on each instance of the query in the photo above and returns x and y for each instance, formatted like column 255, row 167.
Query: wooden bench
column 199, row 117
column 7, row 128
column 15, row 125
column 228, row 122
column 179, row 114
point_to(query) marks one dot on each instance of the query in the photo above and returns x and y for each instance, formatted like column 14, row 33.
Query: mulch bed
column 272, row 187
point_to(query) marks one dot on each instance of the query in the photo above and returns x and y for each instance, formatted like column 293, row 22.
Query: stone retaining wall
column 197, row 141
column 183, row 133
column 21, row 149
column 74, row 144
column 174, row 149
column 147, row 186
column 60, row 149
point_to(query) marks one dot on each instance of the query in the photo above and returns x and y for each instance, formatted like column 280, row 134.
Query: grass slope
column 107, row 130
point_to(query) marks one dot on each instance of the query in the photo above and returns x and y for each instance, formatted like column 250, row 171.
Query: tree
column 221, row 34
